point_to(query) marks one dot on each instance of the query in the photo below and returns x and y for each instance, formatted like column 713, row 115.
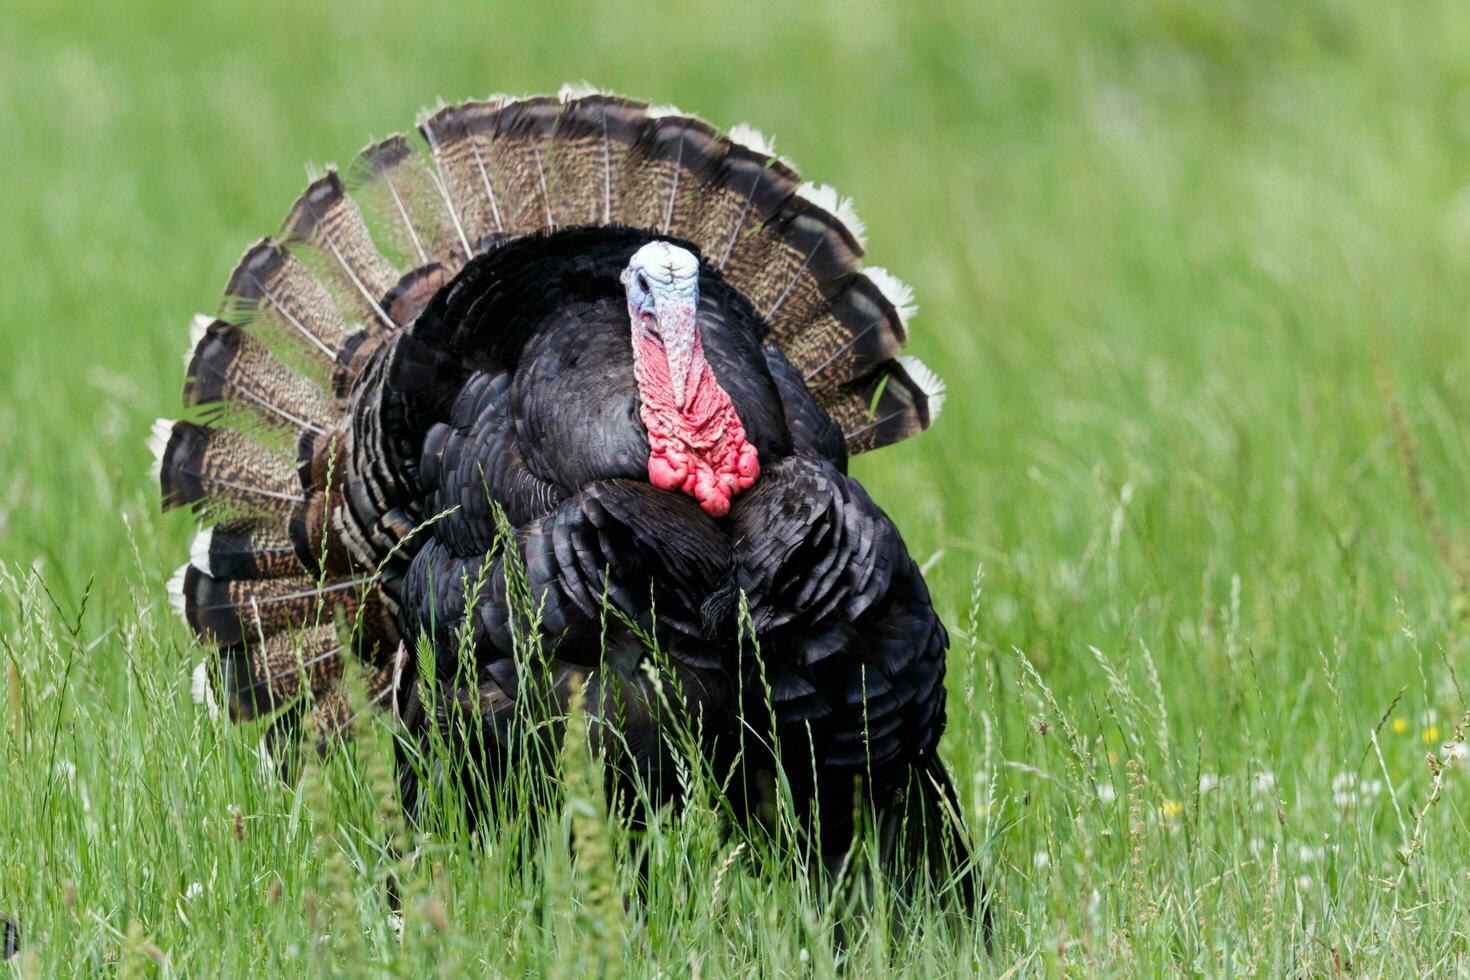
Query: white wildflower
column 1344, row 790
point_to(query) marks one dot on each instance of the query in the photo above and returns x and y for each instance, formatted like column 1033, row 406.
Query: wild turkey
column 453, row 338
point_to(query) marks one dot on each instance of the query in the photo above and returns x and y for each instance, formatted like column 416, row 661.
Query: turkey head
column 696, row 442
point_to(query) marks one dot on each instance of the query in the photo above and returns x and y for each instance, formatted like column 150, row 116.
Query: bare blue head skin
column 662, row 284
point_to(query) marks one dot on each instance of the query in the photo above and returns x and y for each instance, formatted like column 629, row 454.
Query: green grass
column 1156, row 244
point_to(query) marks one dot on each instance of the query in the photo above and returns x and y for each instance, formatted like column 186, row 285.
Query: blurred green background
column 1157, row 246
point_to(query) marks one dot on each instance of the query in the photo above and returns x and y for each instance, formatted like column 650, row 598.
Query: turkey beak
column 676, row 325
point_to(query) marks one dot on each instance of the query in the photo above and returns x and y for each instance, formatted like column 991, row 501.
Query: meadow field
column 1196, row 276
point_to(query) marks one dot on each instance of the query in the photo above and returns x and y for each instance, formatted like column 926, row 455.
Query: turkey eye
column 642, row 283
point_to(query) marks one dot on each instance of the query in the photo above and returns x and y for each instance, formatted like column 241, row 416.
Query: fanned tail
column 269, row 581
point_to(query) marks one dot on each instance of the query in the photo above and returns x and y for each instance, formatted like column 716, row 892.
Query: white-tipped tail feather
column 400, row 665
column 199, row 550
column 197, row 328
column 176, row 589
column 895, row 290
column 928, row 382
column 752, row 139
column 158, row 444
column 428, row 112
column 201, row 690
column 825, row 196
column 659, row 111
column 572, row 91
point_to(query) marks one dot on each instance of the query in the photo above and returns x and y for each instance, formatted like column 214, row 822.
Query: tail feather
column 826, row 197
column 664, row 176
column 412, row 293
column 898, row 399
column 244, row 549
column 542, row 167
column 860, row 329
column 271, row 674
column 896, row 293
column 392, row 181
column 230, row 366
column 459, row 139
column 493, row 155
column 236, row 612
column 272, row 289
column 588, row 185
column 791, row 266
column 265, row 680
column 332, row 714
column 220, row 471
column 749, row 191
column 326, row 222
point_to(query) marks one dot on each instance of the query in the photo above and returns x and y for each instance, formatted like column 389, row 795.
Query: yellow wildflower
column 1430, row 735
column 1400, row 726
column 1171, row 808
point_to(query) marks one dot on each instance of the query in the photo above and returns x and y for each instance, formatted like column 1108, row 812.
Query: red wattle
column 701, row 449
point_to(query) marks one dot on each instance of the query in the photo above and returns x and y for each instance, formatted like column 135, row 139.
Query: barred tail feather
column 860, row 329
column 325, row 222
column 244, row 549
column 220, row 471
column 276, row 292
column 408, row 205
column 229, row 366
column 898, row 399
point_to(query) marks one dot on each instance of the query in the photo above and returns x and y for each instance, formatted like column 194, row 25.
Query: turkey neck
column 700, row 448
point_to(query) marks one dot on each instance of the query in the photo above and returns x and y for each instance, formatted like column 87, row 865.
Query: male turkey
column 654, row 349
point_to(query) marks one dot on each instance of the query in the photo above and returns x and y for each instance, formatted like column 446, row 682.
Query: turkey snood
column 696, row 442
